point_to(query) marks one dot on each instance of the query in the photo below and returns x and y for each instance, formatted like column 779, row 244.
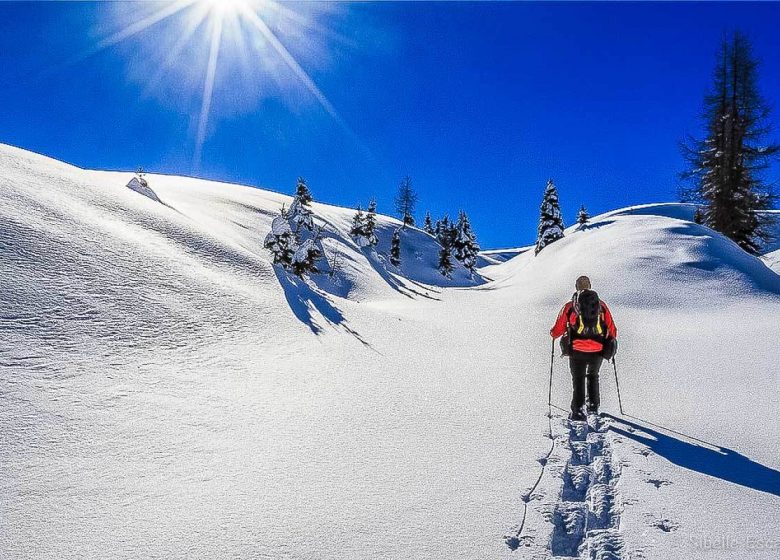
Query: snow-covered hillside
column 166, row 392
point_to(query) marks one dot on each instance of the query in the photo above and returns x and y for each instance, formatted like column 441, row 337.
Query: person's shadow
column 719, row 462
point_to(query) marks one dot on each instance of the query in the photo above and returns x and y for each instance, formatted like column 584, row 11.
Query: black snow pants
column 585, row 365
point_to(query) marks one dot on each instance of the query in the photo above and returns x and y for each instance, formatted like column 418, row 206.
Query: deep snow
column 166, row 392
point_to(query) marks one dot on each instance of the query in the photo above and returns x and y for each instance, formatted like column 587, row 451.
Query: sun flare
column 241, row 44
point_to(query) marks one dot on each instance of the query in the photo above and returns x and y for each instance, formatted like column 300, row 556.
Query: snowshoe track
column 586, row 518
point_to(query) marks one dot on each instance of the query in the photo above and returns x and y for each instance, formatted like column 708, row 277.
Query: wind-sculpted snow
column 166, row 392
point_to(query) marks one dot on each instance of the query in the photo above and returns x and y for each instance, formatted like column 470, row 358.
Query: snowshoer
column 589, row 335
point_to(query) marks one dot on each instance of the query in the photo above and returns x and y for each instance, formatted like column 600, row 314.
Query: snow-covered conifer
column 281, row 242
column 304, row 260
column 445, row 261
column 464, row 243
column 370, row 228
column 302, row 192
column 428, row 225
column 550, row 220
column 358, row 229
column 582, row 216
column 300, row 216
column 443, row 230
column 395, row 248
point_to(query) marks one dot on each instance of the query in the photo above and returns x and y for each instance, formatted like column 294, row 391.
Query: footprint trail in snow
column 580, row 499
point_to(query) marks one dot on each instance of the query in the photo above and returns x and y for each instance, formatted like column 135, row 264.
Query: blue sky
column 479, row 103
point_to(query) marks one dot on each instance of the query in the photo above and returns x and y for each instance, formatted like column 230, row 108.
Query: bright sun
column 253, row 29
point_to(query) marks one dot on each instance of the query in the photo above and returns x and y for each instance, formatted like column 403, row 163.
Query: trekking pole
column 617, row 384
column 552, row 362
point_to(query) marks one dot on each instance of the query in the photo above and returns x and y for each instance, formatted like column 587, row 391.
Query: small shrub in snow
column 550, row 220
column 395, row 248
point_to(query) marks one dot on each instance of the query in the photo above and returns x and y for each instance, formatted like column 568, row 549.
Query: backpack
column 589, row 322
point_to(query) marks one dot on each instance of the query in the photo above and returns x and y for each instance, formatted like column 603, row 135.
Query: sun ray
column 143, row 24
column 208, row 88
column 192, row 26
column 289, row 59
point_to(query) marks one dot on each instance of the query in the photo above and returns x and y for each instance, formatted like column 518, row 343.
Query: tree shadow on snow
column 303, row 300
column 719, row 462
column 394, row 282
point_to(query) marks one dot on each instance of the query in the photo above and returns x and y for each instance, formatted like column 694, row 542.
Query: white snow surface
column 165, row 392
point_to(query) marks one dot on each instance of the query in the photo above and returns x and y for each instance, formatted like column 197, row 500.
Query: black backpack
column 587, row 307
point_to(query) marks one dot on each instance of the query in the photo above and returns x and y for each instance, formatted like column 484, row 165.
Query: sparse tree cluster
column 363, row 229
column 458, row 241
column 726, row 166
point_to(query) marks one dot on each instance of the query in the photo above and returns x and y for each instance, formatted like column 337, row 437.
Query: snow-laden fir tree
column 300, row 217
column 304, row 260
column 395, row 248
column 445, row 231
column 445, row 261
column 428, row 225
column 358, row 229
column 302, row 192
column 582, row 216
column 405, row 201
column 370, row 229
column 281, row 241
column 464, row 244
column 726, row 167
column 550, row 219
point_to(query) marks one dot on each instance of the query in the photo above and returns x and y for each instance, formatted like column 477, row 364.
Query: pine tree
column 445, row 261
column 464, row 244
column 302, row 192
column 300, row 216
column 726, row 167
column 395, row 248
column 698, row 215
column 428, row 225
column 358, row 229
column 405, row 201
column 443, row 230
column 304, row 261
column 582, row 216
column 370, row 224
column 281, row 242
column 550, row 220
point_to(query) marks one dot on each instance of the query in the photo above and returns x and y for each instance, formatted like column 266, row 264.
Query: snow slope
column 166, row 392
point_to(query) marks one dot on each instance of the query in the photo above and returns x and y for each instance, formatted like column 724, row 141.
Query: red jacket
column 582, row 345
